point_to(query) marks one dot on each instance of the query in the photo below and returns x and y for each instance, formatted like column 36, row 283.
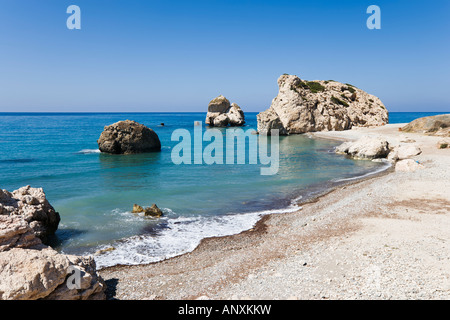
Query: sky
column 170, row 56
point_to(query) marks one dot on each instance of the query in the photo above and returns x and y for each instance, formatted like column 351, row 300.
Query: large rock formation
column 306, row 106
column 30, row 270
column 128, row 137
column 435, row 125
column 221, row 113
column 33, row 206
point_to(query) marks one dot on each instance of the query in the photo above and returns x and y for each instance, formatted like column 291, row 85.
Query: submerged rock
column 152, row 211
column 306, row 106
column 221, row 113
column 137, row 208
column 32, row 205
column 128, row 137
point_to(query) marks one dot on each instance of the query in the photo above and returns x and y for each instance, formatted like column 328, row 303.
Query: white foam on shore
column 182, row 235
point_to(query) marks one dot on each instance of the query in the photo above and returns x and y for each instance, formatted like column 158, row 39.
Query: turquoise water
column 94, row 193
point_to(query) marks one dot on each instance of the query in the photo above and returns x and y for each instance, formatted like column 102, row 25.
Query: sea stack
column 306, row 106
column 221, row 113
column 128, row 137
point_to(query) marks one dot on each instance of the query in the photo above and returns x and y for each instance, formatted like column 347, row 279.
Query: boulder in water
column 128, row 137
column 221, row 113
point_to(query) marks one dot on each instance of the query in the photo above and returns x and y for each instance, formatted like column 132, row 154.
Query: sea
column 94, row 192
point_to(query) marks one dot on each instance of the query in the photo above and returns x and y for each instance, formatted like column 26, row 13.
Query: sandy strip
column 387, row 237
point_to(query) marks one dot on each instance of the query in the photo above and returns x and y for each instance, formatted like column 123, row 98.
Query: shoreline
column 259, row 225
column 245, row 264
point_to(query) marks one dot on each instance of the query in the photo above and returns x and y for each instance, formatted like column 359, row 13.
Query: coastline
column 313, row 253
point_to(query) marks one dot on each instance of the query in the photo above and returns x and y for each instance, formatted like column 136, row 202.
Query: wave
column 180, row 235
column 88, row 151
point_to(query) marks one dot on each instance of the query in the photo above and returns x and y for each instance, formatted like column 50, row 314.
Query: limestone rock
column 268, row 120
column 365, row 148
column 16, row 232
column 153, row 211
column 236, row 115
column 32, row 204
column 128, row 137
column 407, row 165
column 42, row 273
column 435, row 125
column 31, row 274
column 30, row 270
column 307, row 106
column 137, row 209
column 221, row 113
column 403, row 152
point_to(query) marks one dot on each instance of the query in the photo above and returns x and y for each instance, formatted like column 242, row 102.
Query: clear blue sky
column 168, row 55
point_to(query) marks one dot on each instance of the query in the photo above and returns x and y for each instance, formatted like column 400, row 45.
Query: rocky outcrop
column 30, row 270
column 152, row 211
column 306, row 106
column 221, row 113
column 435, row 125
column 365, row 148
column 128, row 137
column 32, row 205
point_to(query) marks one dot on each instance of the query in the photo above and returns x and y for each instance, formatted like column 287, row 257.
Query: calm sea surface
column 94, row 193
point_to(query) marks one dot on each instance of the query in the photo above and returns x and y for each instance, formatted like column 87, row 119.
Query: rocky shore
column 31, row 270
column 385, row 237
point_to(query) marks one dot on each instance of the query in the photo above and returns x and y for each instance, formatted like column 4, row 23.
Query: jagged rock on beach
column 30, row 270
column 306, row 106
column 32, row 205
column 128, row 137
column 403, row 152
column 221, row 113
column 365, row 148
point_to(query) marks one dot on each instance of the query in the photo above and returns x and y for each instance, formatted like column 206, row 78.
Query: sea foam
column 181, row 235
